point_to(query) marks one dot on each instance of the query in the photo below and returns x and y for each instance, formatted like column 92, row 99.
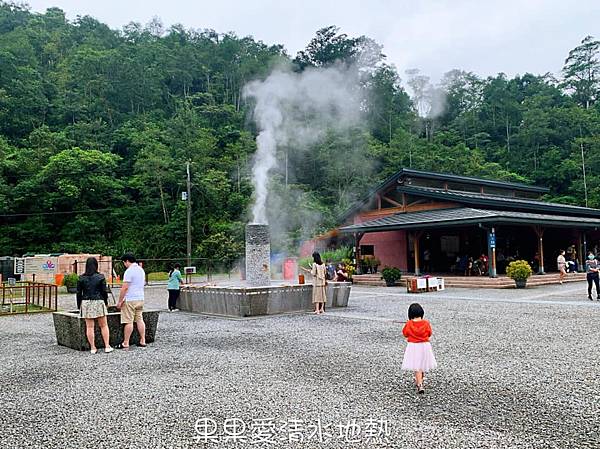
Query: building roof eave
column 476, row 199
column 445, row 218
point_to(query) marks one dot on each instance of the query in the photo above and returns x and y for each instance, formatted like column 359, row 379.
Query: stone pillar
column 258, row 255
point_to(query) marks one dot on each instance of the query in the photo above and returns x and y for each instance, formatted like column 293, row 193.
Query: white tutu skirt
column 418, row 357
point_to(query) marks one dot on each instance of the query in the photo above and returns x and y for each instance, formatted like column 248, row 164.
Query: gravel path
column 517, row 369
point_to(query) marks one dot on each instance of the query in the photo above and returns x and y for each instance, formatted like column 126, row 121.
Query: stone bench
column 70, row 329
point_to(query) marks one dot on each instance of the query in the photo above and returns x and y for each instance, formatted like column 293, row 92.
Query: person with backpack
column 329, row 270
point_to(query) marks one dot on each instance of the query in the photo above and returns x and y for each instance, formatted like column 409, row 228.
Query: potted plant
column 364, row 265
column 519, row 270
column 349, row 268
column 369, row 263
column 375, row 264
column 70, row 281
column 390, row 275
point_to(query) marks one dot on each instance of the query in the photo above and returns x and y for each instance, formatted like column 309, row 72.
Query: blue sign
column 492, row 241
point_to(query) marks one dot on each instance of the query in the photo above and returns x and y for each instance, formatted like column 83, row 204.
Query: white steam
column 294, row 110
column 429, row 100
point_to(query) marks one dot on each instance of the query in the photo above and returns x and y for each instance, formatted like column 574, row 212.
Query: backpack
column 329, row 272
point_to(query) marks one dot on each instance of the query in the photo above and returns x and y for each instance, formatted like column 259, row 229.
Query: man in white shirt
column 131, row 301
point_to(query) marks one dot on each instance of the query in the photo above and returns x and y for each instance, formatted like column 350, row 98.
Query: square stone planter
column 70, row 329
column 337, row 293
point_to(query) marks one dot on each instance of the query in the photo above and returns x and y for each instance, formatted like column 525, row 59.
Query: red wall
column 390, row 248
column 307, row 248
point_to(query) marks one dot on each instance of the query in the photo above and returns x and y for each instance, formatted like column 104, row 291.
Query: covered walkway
column 446, row 235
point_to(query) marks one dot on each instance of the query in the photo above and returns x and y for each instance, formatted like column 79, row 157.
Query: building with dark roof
column 422, row 221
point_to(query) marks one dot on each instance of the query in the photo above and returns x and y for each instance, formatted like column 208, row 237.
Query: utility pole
column 583, row 165
column 189, row 215
column 583, row 169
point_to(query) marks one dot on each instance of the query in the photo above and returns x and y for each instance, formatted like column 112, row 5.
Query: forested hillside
column 96, row 127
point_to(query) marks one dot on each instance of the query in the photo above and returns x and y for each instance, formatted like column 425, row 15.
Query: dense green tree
column 97, row 125
column 582, row 71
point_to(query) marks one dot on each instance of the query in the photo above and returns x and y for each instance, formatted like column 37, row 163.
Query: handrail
column 29, row 293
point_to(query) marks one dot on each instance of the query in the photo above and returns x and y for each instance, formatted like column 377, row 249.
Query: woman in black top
column 92, row 296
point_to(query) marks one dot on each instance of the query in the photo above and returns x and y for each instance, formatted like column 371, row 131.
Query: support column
column 581, row 255
column 492, row 271
column 357, row 238
column 416, row 248
column 539, row 231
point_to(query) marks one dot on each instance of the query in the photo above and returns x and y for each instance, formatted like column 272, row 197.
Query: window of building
column 367, row 250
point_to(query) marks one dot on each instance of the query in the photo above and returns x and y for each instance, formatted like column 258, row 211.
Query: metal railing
column 27, row 296
column 156, row 269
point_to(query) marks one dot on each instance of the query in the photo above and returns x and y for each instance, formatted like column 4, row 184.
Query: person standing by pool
column 319, row 282
column 174, row 286
column 131, row 301
column 92, row 295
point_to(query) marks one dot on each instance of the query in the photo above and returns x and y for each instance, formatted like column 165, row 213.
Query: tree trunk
column 162, row 201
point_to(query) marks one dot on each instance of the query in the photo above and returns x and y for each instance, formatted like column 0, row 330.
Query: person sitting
column 484, row 263
column 341, row 274
column 470, row 266
column 478, row 267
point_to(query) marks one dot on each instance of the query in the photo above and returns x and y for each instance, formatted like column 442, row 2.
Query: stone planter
column 337, row 293
column 70, row 329
column 521, row 283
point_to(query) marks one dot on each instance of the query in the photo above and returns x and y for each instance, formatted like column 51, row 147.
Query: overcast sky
column 483, row 36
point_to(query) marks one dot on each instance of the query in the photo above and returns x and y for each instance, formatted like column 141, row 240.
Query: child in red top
column 418, row 356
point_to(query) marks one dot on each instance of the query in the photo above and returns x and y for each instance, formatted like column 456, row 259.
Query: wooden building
column 417, row 219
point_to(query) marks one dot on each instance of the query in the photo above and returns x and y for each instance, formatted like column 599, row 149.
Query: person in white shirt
column 131, row 301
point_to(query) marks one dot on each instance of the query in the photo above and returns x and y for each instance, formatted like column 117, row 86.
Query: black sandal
column 141, row 345
column 120, row 346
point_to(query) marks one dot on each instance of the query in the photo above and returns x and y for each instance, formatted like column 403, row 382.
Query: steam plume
column 295, row 110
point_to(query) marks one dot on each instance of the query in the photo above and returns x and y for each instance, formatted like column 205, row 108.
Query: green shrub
column 519, row 270
column 391, row 274
column 70, row 280
column 158, row 276
column 336, row 256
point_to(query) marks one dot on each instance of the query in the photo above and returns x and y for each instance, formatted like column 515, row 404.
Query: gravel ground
column 517, row 369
